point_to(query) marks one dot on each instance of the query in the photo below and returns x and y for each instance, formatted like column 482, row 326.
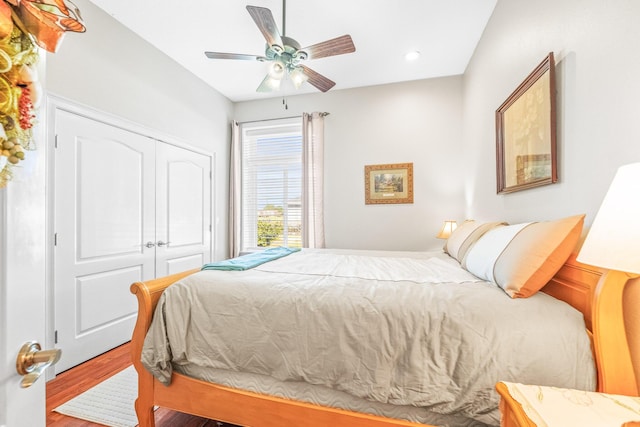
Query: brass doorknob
column 32, row 361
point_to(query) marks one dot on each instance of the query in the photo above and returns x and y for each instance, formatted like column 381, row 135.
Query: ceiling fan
column 286, row 54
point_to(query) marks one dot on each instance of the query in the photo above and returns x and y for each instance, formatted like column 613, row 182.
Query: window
column 271, row 184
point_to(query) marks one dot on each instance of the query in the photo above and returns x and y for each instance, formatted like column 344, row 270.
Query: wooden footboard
column 222, row 403
column 148, row 294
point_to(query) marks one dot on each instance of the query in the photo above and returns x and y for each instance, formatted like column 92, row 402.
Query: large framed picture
column 392, row 183
column 526, row 132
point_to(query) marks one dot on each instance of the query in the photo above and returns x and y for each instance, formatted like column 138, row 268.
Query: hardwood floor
column 81, row 378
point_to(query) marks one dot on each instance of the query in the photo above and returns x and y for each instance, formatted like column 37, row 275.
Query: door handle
column 161, row 243
column 150, row 244
column 32, row 361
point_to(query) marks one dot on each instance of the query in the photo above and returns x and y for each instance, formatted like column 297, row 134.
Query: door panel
column 95, row 291
column 186, row 187
column 109, row 196
column 104, row 215
column 183, row 209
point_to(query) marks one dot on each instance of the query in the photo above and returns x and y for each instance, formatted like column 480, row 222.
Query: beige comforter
column 406, row 329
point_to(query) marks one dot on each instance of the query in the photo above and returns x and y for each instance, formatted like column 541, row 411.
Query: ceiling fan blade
column 318, row 80
column 221, row 55
column 265, row 22
column 338, row 46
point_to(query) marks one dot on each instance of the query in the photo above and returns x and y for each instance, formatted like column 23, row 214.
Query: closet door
column 104, row 216
column 183, row 209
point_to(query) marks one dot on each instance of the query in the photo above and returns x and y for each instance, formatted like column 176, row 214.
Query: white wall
column 596, row 44
column 444, row 126
column 111, row 69
column 417, row 122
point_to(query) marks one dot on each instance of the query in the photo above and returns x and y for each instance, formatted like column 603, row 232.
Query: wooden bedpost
column 615, row 367
column 144, row 402
column 148, row 295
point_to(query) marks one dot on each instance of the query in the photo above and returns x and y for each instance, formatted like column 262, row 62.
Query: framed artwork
column 392, row 183
column 526, row 132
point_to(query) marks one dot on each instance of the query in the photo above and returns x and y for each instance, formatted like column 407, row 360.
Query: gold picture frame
column 390, row 183
column 526, row 154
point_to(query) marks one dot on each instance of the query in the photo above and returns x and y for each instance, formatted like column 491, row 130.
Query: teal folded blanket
column 251, row 260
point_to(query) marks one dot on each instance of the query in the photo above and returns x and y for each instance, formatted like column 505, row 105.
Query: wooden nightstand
column 536, row 406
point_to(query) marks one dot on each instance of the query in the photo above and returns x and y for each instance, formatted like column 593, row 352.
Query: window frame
column 250, row 134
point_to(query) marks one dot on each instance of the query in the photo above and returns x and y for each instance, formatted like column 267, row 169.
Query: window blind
column 272, row 184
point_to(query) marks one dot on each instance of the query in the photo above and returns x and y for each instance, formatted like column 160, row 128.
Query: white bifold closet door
column 183, row 206
column 127, row 208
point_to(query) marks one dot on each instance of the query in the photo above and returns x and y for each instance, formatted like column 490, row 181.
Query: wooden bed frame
column 598, row 296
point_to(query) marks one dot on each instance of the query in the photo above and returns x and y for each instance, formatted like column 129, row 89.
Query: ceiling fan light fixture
column 269, row 84
column 276, row 70
column 298, row 77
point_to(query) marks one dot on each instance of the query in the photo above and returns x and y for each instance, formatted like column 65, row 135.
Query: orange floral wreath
column 24, row 25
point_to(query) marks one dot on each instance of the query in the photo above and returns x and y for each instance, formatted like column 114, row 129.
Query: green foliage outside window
column 268, row 230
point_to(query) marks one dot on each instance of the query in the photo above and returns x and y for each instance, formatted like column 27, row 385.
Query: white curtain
column 313, row 167
column 235, row 188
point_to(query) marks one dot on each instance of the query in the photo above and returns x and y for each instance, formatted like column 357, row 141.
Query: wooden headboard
column 630, row 306
column 575, row 284
column 602, row 296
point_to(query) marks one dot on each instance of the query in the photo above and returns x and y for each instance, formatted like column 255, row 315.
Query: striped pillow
column 463, row 237
column 522, row 258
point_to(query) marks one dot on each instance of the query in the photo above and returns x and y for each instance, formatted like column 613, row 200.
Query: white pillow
column 522, row 258
column 466, row 235
column 482, row 257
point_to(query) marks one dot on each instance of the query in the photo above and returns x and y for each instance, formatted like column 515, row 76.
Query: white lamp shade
column 447, row 229
column 614, row 239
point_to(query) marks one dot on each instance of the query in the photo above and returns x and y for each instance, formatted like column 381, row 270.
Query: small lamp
column 613, row 243
column 447, row 229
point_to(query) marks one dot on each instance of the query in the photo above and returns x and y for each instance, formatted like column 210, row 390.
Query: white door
column 104, row 217
column 183, row 209
column 22, row 288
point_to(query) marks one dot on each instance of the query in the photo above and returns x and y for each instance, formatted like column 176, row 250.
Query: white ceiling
column 444, row 31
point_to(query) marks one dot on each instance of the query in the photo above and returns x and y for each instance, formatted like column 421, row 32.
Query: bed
column 220, row 393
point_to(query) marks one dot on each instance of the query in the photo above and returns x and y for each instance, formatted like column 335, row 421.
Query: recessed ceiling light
column 412, row 56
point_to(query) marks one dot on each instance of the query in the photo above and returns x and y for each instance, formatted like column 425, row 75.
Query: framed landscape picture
column 526, row 132
column 391, row 183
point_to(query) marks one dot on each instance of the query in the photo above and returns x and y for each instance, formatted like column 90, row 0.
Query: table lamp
column 447, row 229
column 613, row 243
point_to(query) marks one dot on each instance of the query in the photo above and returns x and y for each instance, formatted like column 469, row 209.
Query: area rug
column 109, row 403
